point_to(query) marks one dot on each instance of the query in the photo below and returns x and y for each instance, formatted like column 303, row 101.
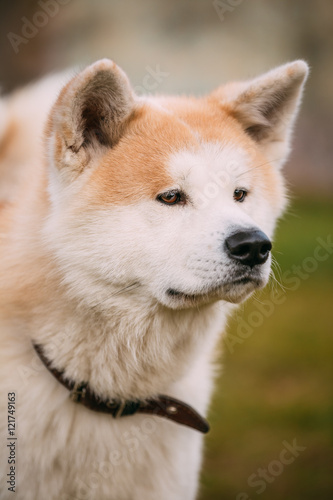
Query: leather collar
column 162, row 406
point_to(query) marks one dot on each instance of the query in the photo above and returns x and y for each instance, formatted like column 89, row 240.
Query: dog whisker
column 127, row 288
column 274, row 282
column 257, row 166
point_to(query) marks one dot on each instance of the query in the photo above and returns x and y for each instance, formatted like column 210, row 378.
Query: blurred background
column 276, row 383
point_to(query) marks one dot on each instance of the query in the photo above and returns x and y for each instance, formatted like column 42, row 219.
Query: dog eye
column 240, row 195
column 171, row 197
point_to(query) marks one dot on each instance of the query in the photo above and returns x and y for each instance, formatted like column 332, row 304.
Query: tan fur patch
column 8, row 139
column 136, row 168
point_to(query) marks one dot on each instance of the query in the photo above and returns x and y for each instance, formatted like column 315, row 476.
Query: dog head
column 171, row 199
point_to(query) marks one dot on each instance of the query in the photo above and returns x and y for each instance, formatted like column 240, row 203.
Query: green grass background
column 277, row 384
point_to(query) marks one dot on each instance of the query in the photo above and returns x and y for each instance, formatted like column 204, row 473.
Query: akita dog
column 124, row 246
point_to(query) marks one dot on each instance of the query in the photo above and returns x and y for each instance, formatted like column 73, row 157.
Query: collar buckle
column 78, row 392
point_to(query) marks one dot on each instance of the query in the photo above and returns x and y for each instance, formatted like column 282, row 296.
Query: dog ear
column 267, row 107
column 89, row 115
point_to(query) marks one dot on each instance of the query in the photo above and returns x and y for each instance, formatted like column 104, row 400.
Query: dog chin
column 234, row 292
column 238, row 294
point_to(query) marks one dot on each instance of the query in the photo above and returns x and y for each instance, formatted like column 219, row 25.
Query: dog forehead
column 209, row 160
column 165, row 145
column 218, row 144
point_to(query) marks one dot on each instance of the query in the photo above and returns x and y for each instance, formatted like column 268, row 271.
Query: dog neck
column 130, row 352
column 162, row 406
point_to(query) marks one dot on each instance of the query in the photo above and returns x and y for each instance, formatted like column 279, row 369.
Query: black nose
column 248, row 247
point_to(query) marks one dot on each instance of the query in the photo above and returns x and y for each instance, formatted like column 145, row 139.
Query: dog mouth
column 226, row 290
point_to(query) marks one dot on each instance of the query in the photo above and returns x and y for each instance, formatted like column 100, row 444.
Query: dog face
column 171, row 199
